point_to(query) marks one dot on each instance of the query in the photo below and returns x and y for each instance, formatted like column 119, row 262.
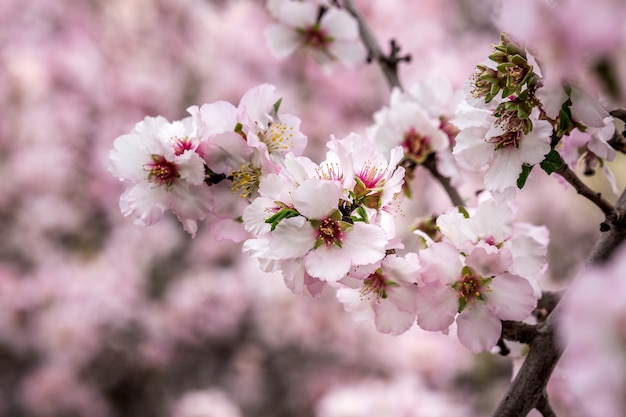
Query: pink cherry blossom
column 159, row 161
column 478, row 287
column 483, row 144
column 329, row 246
column 384, row 291
column 334, row 36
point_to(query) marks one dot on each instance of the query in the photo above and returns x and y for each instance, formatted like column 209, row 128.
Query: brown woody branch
column 387, row 63
column 612, row 216
column 527, row 391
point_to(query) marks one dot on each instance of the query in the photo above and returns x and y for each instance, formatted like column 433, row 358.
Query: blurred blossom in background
column 100, row 318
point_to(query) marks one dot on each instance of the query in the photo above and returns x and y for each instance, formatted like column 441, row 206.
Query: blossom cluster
column 514, row 119
column 169, row 164
column 333, row 223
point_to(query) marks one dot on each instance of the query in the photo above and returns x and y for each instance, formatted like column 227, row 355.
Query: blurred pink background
column 101, row 318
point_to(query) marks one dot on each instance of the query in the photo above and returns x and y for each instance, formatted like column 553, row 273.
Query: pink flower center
column 375, row 285
column 161, row 171
column 329, row 231
column 416, row 146
column 181, row 145
column 314, row 37
column 506, row 140
column 470, row 287
column 371, row 175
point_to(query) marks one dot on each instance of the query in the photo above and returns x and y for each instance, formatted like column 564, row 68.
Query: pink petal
column 281, row 40
column 389, row 319
column 478, row 329
column 511, row 297
column 316, row 199
column 327, row 264
column 292, row 238
column 340, row 25
column 365, row 244
column 436, row 306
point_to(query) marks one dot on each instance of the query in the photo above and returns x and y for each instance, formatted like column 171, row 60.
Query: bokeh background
column 100, row 318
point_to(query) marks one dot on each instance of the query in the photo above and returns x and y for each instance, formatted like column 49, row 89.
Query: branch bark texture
column 527, row 391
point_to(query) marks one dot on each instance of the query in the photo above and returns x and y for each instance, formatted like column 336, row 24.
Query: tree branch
column 431, row 165
column 389, row 66
column 527, row 391
column 612, row 216
column 518, row 331
column 387, row 63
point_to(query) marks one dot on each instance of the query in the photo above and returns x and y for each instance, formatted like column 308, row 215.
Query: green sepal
column 523, row 176
column 552, row 162
column 277, row 105
column 466, row 271
column 463, row 211
column 462, row 303
column 361, row 215
column 239, row 130
column 282, row 214
column 565, row 124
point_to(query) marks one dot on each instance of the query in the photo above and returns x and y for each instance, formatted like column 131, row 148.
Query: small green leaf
column 462, row 303
column 284, row 213
column 523, row 176
column 552, row 162
column 277, row 105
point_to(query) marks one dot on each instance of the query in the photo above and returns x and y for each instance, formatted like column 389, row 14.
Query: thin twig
column 596, row 198
column 390, row 71
column 431, row 165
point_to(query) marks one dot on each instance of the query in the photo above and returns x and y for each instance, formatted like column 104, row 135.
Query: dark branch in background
column 431, row 165
column 388, row 63
column 612, row 216
column 389, row 66
column 618, row 141
column 527, row 391
column 546, row 304
column 517, row 331
column 543, row 406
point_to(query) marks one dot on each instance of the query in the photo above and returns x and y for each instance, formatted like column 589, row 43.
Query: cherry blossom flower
column 419, row 121
column 484, row 143
column 333, row 36
column 329, row 246
column 243, row 144
column 159, row 161
column 384, row 291
column 478, row 287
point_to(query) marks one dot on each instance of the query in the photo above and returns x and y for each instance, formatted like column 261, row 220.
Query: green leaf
column 284, row 213
column 565, row 124
column 462, row 303
column 463, row 211
column 552, row 162
column 277, row 105
column 361, row 215
column 523, row 176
